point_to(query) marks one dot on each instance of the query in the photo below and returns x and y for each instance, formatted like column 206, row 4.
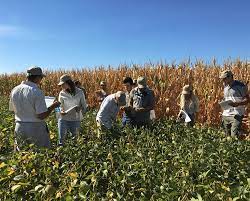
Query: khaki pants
column 32, row 133
column 101, row 129
column 232, row 124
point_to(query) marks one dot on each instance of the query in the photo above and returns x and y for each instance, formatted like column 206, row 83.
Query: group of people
column 136, row 102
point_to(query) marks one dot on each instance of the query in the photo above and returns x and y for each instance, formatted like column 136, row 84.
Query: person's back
column 28, row 103
column 27, row 100
column 108, row 111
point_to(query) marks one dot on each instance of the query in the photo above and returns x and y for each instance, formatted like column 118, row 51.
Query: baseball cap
column 63, row 79
column 102, row 83
column 35, row 70
column 187, row 89
column 142, row 82
column 225, row 74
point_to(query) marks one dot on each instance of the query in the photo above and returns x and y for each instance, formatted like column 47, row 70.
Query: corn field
column 166, row 80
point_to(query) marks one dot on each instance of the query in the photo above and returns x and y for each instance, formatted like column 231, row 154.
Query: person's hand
column 55, row 104
column 140, row 109
column 234, row 104
column 126, row 108
column 63, row 113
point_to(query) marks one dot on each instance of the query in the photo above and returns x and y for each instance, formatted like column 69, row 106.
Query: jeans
column 126, row 120
column 67, row 126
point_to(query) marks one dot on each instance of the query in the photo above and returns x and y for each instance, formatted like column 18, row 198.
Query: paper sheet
column 70, row 109
column 225, row 104
column 49, row 100
column 186, row 117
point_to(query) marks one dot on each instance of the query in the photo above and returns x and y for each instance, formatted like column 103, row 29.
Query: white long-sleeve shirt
column 108, row 111
column 68, row 101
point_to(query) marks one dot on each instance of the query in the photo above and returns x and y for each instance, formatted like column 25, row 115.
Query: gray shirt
column 108, row 111
column 142, row 100
column 27, row 101
column 237, row 92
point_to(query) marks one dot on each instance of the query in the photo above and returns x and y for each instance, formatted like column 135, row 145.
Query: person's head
column 35, row 74
column 67, row 84
column 226, row 77
column 103, row 85
column 78, row 83
column 128, row 84
column 187, row 91
column 142, row 83
column 120, row 98
column 134, row 83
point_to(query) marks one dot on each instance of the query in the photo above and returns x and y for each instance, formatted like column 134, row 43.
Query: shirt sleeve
column 245, row 91
column 152, row 99
column 83, row 102
column 197, row 105
column 40, row 104
column 131, row 96
column 11, row 106
column 60, row 99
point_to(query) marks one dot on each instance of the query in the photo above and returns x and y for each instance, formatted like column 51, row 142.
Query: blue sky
column 88, row 33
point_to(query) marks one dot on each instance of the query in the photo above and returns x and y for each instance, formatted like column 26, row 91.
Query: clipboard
column 49, row 100
column 185, row 116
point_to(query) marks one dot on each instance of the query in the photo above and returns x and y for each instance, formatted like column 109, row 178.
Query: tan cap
column 120, row 95
column 103, row 83
column 187, row 89
column 63, row 79
column 225, row 74
column 142, row 82
column 35, row 70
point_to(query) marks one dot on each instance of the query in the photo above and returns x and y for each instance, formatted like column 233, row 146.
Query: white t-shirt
column 27, row 101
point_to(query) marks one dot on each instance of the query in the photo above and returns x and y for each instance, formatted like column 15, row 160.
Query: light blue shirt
column 108, row 111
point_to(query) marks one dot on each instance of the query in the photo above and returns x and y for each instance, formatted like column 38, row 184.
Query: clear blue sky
column 88, row 33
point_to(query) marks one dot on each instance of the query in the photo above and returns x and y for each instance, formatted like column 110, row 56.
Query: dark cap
column 225, row 74
column 35, row 71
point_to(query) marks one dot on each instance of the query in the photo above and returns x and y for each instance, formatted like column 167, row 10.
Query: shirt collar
column 29, row 83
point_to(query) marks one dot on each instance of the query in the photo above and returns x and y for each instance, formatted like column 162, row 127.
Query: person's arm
column 44, row 115
column 245, row 101
column 83, row 103
column 40, row 107
column 11, row 106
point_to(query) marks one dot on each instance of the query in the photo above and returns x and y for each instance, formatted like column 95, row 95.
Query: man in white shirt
column 236, row 92
column 109, row 109
column 28, row 103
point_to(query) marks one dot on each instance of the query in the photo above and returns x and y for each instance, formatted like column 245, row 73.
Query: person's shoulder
column 79, row 90
column 37, row 91
column 150, row 91
column 239, row 83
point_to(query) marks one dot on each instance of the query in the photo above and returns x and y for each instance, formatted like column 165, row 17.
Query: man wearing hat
column 236, row 92
column 28, row 103
column 109, row 109
column 102, row 93
column 142, row 101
